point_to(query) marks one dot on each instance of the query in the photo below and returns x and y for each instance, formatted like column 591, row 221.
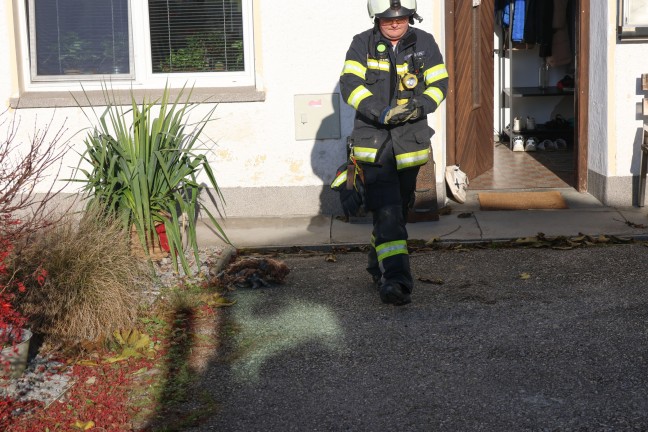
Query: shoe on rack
column 547, row 144
column 560, row 144
column 518, row 143
column 530, row 145
column 517, row 125
column 557, row 123
column 530, row 123
column 566, row 84
column 541, row 145
column 394, row 293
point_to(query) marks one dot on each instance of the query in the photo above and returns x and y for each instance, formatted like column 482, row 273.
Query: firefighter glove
column 400, row 114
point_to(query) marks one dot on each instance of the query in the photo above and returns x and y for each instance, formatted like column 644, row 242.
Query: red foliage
column 104, row 392
column 12, row 322
column 100, row 394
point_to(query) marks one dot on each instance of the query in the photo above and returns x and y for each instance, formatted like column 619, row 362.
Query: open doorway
column 536, row 136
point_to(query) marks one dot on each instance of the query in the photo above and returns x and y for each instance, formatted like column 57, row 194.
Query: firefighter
column 393, row 76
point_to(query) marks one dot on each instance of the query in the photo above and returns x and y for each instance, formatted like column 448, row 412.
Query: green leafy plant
column 76, row 53
column 190, row 59
column 144, row 167
column 205, row 52
column 133, row 343
column 114, row 56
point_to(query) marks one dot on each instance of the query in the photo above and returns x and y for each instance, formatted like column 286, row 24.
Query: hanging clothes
column 538, row 29
column 519, row 13
column 561, row 53
column 572, row 19
column 516, row 24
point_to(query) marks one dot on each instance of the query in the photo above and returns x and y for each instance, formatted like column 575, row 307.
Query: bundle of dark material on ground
column 252, row 272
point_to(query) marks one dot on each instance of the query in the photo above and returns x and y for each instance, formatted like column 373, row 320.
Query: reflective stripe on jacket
column 371, row 82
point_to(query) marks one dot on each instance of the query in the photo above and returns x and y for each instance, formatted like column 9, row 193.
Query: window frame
column 141, row 75
column 629, row 27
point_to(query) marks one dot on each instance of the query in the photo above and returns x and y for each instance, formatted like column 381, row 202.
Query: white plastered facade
column 300, row 46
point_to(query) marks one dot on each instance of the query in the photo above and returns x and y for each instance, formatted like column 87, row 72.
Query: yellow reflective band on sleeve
column 365, row 154
column 385, row 250
column 382, row 65
column 339, row 180
column 373, row 241
column 358, row 95
column 355, row 68
column 408, row 160
column 435, row 74
column 435, row 93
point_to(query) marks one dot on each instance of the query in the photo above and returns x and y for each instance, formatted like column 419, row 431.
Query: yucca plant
column 144, row 163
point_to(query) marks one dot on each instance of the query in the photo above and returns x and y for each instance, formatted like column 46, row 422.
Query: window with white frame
column 140, row 41
column 633, row 19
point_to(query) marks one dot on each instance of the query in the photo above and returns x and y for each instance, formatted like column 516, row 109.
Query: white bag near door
column 458, row 182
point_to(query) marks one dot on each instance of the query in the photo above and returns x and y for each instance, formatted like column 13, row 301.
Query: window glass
column 196, row 36
column 144, row 42
column 633, row 20
column 637, row 12
column 83, row 37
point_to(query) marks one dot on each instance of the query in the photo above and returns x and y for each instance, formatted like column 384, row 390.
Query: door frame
column 582, row 94
column 451, row 136
column 581, row 101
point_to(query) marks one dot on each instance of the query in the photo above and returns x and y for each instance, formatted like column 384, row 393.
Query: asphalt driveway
column 494, row 340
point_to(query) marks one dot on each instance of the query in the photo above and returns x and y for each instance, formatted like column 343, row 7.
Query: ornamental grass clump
column 93, row 285
column 141, row 163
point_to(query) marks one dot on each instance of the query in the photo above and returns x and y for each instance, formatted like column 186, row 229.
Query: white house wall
column 262, row 169
column 630, row 63
column 615, row 120
column 598, row 100
column 6, row 34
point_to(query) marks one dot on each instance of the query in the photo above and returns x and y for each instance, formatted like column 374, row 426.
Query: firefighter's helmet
column 392, row 9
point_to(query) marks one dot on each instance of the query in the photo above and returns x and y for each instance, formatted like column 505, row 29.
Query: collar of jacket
column 408, row 40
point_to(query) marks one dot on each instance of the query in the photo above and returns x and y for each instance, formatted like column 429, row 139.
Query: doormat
column 521, row 201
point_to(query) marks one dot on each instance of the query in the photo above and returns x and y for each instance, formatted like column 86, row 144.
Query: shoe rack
column 529, row 88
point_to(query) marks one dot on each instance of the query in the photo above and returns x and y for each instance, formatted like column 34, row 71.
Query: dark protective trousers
column 389, row 194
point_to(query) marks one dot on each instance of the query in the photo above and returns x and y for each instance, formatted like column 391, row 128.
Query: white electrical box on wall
column 317, row 116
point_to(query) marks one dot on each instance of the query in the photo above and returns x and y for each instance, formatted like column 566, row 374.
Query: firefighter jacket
column 373, row 80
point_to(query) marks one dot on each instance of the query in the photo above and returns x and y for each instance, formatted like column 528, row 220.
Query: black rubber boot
column 373, row 267
column 394, row 293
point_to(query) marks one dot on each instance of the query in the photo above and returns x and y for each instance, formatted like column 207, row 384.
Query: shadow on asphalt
column 495, row 339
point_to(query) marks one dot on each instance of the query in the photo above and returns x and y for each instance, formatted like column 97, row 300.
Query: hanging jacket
column 519, row 14
column 371, row 82
column 561, row 53
column 538, row 28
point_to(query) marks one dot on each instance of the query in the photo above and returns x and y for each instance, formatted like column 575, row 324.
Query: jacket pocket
column 372, row 76
column 366, row 144
column 424, row 136
column 367, row 138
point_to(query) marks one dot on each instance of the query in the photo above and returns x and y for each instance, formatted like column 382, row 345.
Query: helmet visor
column 396, row 13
